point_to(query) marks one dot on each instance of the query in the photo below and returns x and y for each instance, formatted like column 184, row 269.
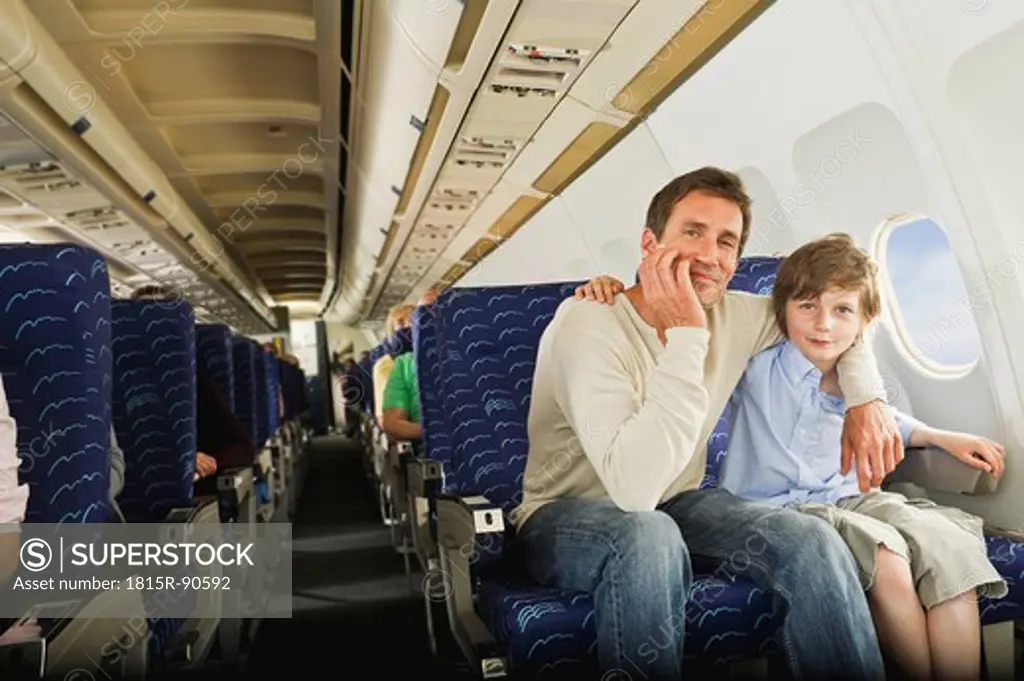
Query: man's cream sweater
column 616, row 414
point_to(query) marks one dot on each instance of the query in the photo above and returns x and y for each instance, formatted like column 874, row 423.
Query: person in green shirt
column 402, row 402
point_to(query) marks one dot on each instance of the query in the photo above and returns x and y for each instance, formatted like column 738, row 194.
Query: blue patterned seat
column 261, row 396
column 243, row 354
column 272, row 386
column 154, row 408
column 214, row 351
column 486, row 348
column 291, row 384
column 437, row 441
column 154, row 405
column 366, row 367
column 56, row 365
column 398, row 343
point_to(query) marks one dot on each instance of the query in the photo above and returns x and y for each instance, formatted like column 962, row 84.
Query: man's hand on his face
column 665, row 281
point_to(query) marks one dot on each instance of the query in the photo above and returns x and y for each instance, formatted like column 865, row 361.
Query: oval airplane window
column 925, row 295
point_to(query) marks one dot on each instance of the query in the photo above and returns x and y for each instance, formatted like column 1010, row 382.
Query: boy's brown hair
column 832, row 261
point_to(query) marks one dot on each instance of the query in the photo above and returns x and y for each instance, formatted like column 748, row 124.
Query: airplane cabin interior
column 291, row 271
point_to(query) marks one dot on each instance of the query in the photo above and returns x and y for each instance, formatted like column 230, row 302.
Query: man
column 398, row 320
column 400, row 400
column 624, row 400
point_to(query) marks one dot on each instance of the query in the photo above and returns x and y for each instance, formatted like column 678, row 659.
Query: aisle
column 352, row 601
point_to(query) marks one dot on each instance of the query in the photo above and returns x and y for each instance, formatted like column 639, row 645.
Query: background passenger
column 398, row 320
column 400, row 403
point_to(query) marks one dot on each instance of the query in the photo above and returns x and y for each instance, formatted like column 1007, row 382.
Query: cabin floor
column 354, row 609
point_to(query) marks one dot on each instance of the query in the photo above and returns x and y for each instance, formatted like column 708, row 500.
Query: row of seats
column 385, row 460
column 77, row 364
column 475, row 350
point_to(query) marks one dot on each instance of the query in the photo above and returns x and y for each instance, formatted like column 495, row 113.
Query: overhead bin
column 429, row 25
column 480, row 27
column 547, row 46
column 398, row 88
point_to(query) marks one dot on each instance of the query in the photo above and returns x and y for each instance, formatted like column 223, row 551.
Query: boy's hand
column 973, row 450
column 603, row 289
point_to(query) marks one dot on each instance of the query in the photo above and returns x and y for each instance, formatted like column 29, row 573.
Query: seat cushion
column 1007, row 556
column 272, row 388
column 547, row 630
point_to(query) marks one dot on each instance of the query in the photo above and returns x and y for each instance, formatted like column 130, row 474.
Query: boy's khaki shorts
column 944, row 546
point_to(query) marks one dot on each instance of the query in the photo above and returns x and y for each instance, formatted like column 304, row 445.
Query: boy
column 784, row 448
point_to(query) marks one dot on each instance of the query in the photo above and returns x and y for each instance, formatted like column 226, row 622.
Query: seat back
column 398, row 343
column 487, row 340
column 154, row 404
column 244, row 356
column 753, row 275
column 261, row 394
column 56, row 364
column 365, row 368
column 214, row 352
column 273, row 387
column 286, row 380
column 436, row 434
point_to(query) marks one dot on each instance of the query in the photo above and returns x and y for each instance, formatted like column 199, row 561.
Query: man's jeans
column 637, row 568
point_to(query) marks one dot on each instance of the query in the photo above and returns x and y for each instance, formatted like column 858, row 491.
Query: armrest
column 460, row 522
column 23, row 659
column 233, row 486
column 934, row 469
column 199, row 511
column 235, row 480
column 424, row 476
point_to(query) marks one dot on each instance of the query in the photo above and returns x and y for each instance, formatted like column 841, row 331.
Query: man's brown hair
column 714, row 181
column 832, row 261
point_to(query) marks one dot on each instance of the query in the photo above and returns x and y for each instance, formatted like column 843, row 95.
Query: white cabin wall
column 340, row 336
column 561, row 256
column 609, row 202
column 839, row 115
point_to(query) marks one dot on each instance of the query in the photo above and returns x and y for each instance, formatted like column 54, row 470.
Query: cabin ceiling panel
column 44, row 201
column 547, row 46
column 235, row 101
column 608, row 88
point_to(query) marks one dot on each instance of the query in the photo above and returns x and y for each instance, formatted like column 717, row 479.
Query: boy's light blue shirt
column 785, row 433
